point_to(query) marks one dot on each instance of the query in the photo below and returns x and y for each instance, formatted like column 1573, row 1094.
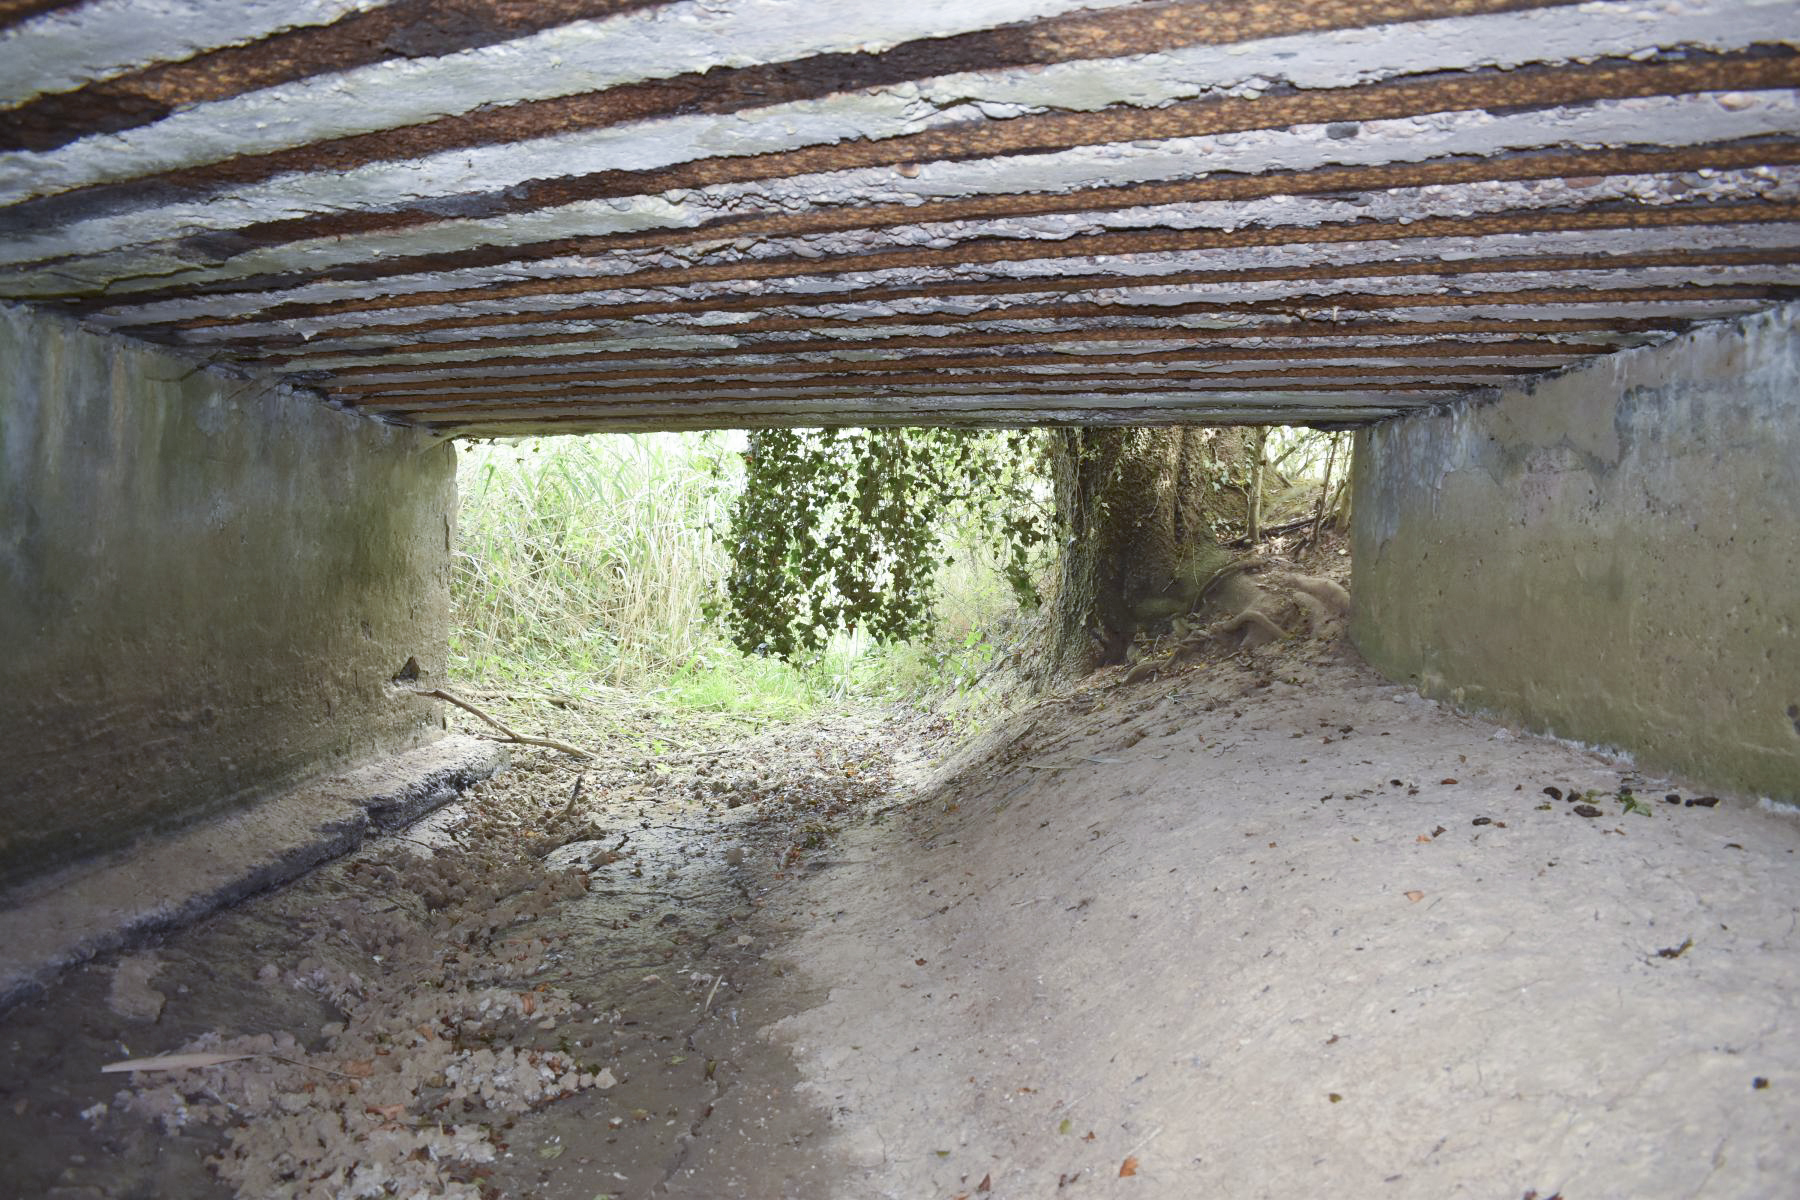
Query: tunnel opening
column 1470, row 875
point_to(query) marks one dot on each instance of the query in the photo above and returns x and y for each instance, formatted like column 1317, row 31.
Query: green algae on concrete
column 207, row 585
column 1612, row 555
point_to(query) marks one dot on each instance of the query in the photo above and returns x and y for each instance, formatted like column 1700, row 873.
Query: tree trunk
column 1141, row 510
column 1259, row 445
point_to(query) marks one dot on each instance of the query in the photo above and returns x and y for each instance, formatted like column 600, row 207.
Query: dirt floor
column 1235, row 922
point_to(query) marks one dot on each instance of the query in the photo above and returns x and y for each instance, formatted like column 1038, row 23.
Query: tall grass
column 593, row 560
column 591, row 556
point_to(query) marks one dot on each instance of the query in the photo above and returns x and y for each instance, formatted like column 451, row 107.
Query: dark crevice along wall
column 1611, row 555
column 207, row 585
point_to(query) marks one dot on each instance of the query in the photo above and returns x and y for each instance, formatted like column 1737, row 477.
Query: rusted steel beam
column 935, row 411
column 1345, row 302
column 1517, row 166
column 1299, row 305
column 14, row 11
column 1448, row 270
column 997, row 359
column 1538, row 297
column 410, row 29
column 452, row 373
column 478, row 388
column 918, row 402
column 997, row 250
column 1521, row 333
column 1292, row 330
column 524, row 424
column 405, row 29
column 1531, row 87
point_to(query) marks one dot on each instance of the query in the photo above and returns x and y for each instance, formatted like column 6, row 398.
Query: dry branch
column 521, row 739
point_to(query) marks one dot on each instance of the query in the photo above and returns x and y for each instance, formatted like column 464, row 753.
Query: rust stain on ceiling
column 495, row 217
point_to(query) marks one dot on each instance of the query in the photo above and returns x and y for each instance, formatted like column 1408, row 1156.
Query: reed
column 592, row 562
column 592, row 556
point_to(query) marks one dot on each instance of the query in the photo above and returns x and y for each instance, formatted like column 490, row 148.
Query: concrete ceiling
column 512, row 216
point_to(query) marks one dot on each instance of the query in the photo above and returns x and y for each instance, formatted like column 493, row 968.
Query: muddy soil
column 533, row 992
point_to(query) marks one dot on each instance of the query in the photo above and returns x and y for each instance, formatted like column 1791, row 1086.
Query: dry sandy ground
column 1277, row 928
column 1265, row 927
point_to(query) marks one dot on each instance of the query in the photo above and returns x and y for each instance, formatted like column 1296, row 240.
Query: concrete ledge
column 69, row 917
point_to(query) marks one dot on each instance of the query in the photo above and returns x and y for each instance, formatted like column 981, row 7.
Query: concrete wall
column 206, row 585
column 1611, row 556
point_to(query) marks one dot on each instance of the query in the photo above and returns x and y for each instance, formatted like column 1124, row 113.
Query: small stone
column 130, row 995
column 1703, row 802
column 1586, row 810
column 1482, row 821
column 735, row 855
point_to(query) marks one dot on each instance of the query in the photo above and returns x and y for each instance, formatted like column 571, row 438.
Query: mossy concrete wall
column 206, row 587
column 1612, row 555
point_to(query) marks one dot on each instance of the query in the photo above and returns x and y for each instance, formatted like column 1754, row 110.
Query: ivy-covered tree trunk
column 1142, row 511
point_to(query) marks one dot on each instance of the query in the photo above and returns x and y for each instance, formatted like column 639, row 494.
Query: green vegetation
column 878, row 563
column 844, row 529
column 588, row 557
column 587, row 563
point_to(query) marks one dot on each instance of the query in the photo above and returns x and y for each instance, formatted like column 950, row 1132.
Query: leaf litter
column 475, row 971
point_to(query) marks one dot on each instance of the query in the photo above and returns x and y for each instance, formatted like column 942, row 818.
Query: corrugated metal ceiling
column 510, row 216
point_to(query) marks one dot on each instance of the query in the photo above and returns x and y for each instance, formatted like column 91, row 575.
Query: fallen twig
column 574, row 795
column 549, row 743
column 1270, row 531
column 1144, row 1141
column 173, row 1062
column 686, row 755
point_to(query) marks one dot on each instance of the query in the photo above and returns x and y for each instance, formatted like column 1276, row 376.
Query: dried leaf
column 1415, row 897
column 1128, row 1168
column 392, row 1112
column 172, row 1062
column 359, row 1068
column 1676, row 951
column 986, row 1184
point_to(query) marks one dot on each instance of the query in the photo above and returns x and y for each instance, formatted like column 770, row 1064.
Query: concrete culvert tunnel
column 1479, row 882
